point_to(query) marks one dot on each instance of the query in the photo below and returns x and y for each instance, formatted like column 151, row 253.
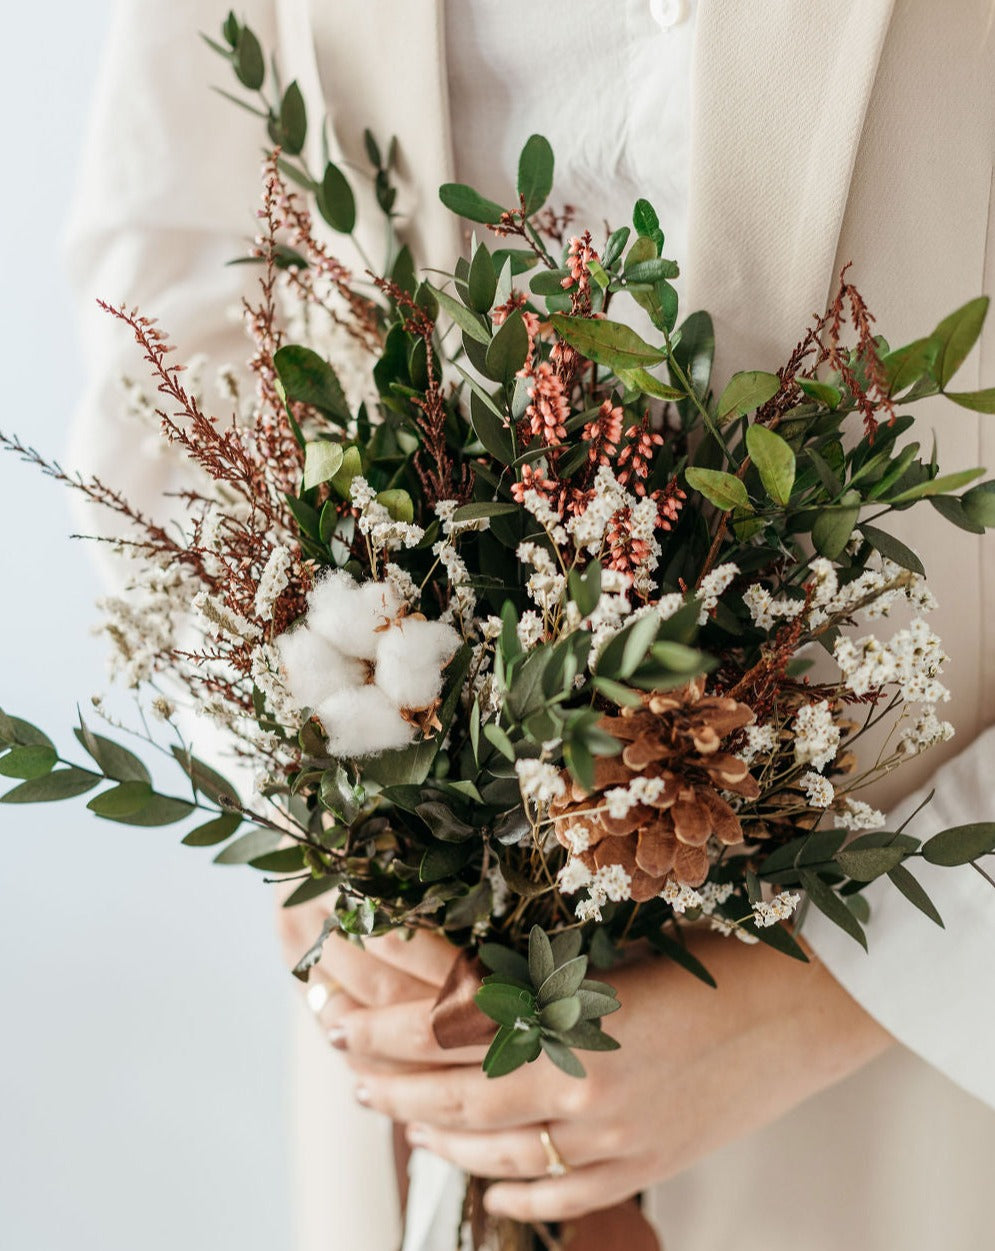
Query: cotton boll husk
column 410, row 660
column 315, row 669
column 351, row 614
column 362, row 721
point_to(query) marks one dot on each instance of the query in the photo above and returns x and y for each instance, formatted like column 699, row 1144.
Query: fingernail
column 363, row 1096
column 338, row 1037
column 417, row 1135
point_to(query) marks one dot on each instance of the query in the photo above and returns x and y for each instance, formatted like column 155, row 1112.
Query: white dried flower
column 817, row 736
column 574, row 876
column 780, row 908
column 681, row 897
column 273, row 581
column 614, row 881
column 539, row 782
column 925, row 732
column 819, row 790
column 761, row 740
column 712, row 586
column 856, row 815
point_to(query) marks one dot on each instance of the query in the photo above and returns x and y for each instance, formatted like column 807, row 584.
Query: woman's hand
column 698, row 1068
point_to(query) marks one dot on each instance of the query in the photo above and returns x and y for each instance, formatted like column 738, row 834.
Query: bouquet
column 529, row 636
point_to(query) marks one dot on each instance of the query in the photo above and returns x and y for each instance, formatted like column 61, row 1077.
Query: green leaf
column 60, row 784
column 490, row 427
column 607, row 343
column 503, row 960
column 642, row 381
column 504, row 1003
column 695, row 351
column 562, row 982
column 283, row 860
column 482, row 510
column 977, row 401
column 956, row 336
column 913, row 891
column 677, row 952
column 309, row 379
column 775, row 462
column 28, row 762
column 352, row 464
column 250, row 846
column 213, row 832
column 656, row 269
column 646, row 222
column 205, row 779
column 250, row 67
column 322, row 461
column 336, row 202
column 541, row 962
column 482, row 280
column 293, row 120
column 443, row 822
column 469, row 322
column 979, row 504
column 510, row 1049
column 508, row 349
column 566, row 946
column 892, row 548
column 159, row 810
column 14, row 730
column 745, row 392
column 864, row 864
column 942, row 485
column 563, row 1057
column 594, row 1004
column 950, row 508
column 399, row 504
column 724, row 490
column 832, row 528
column 832, row 906
column 121, row 800
column 535, row 173
column 115, row 761
column 561, row 1014
column 465, row 202
column 821, row 391
column 908, row 365
column 961, row 844
column 585, row 588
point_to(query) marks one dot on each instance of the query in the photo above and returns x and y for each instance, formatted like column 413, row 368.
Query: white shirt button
column 669, row 13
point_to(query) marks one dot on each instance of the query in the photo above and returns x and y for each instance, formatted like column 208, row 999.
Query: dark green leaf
column 832, row 528
column 541, row 962
column 205, row 779
column 483, row 510
column 482, row 281
column 336, row 202
column 254, row 843
column 677, row 952
column 284, row 860
column 608, row 343
column 950, row 507
column 61, row 784
column 646, row 222
column 121, row 800
column 507, row 350
column 864, row 864
column 115, row 761
column 504, row 1003
column 961, row 844
column 724, row 490
column 562, row 982
column 894, row 549
column 465, row 202
column 309, row 379
column 14, row 730
column 832, row 906
column 158, row 810
column 561, row 1014
column 566, row 946
column 504, row 961
column 213, row 832
column 250, row 67
column 594, row 1005
column 956, row 335
column 746, row 391
column 469, row 322
column 695, row 351
column 942, row 485
column 563, row 1057
column 977, row 401
column 913, row 891
column 293, row 120
column 535, row 173
column 979, row 504
column 775, row 462
column 510, row 1049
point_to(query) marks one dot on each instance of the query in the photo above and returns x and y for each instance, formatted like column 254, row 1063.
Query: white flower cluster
column 463, row 599
column 589, row 528
column 361, row 664
column 273, row 581
column 546, row 515
column 610, row 882
column 761, row 740
column 546, row 584
column 384, row 533
column 819, row 790
column 912, row 658
column 707, row 897
column 142, row 625
column 766, row 611
column 620, row 800
column 817, row 736
column 712, row 586
column 926, row 731
column 780, row 908
column 213, row 611
column 539, row 782
column 856, row 815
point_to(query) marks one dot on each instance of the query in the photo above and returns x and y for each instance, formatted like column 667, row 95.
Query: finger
column 399, row 1031
column 419, row 953
column 465, row 1099
column 513, row 1153
column 566, row 1198
column 371, row 982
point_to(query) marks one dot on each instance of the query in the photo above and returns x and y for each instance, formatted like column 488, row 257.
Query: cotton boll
column 315, row 669
column 410, row 660
column 362, row 721
column 351, row 614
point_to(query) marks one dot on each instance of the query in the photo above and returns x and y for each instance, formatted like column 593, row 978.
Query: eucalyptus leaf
column 309, row 379
column 535, row 173
column 774, row 460
column 961, row 844
column 322, row 461
column 746, row 392
column 832, row 906
column 724, row 490
column 465, row 202
column 28, row 762
column 336, row 201
column 254, row 843
column 608, row 343
column 956, row 335
column 892, row 548
column 60, row 784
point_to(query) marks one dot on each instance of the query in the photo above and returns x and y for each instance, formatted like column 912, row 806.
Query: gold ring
column 556, row 1166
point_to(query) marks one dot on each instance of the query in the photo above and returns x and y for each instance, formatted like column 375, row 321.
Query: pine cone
column 675, row 737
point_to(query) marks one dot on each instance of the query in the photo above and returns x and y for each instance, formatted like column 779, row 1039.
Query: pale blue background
column 143, row 1008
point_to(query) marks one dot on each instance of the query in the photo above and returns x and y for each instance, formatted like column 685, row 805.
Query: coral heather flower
column 674, row 764
column 636, row 457
column 604, row 434
column 550, row 408
column 532, row 480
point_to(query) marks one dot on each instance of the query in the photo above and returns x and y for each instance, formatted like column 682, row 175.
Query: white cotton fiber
column 361, row 721
column 315, row 669
column 350, row 614
column 410, row 660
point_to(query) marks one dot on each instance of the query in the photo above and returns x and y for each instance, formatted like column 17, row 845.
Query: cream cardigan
column 853, row 130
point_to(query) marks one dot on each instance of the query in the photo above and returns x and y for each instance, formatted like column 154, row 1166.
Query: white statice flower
column 539, row 782
column 215, row 612
column 926, row 731
column 267, row 675
column 273, row 581
column 669, row 604
column 819, row 791
column 856, row 815
column 761, row 741
column 163, row 709
column 681, row 897
column 613, row 881
column 712, row 586
column 913, row 658
column 766, row 611
column 360, row 663
column 608, row 496
column 619, row 801
column 530, row 630
column 647, row 790
column 780, row 908
column 384, row 533
column 713, row 895
column 546, row 515
column 589, row 909
column 574, row 876
column 824, row 581
column 402, row 584
column 729, row 929
column 817, row 736
column 576, row 838
column 642, row 527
